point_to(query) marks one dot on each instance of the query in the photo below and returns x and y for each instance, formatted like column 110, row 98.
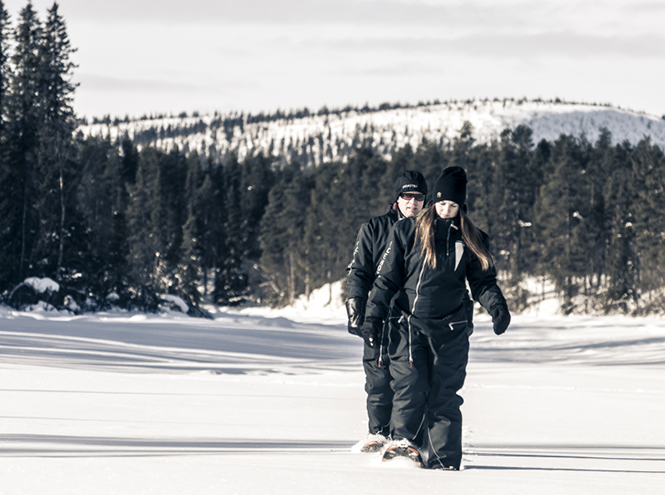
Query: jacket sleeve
column 484, row 288
column 360, row 272
column 389, row 276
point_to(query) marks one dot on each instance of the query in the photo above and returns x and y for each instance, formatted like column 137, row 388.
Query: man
column 410, row 193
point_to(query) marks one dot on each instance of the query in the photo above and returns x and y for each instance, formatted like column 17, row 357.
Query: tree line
column 587, row 217
column 123, row 224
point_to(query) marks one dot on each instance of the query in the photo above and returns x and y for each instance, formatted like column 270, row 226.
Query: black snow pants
column 428, row 364
column 378, row 381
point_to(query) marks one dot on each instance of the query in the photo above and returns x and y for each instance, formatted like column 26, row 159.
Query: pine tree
column 620, row 198
column 4, row 76
column 210, row 208
column 6, row 195
column 649, row 224
column 21, row 143
column 511, row 203
column 96, row 188
column 285, row 251
column 556, row 220
column 257, row 179
column 230, row 278
column 168, row 216
column 191, row 261
column 144, row 242
column 56, row 166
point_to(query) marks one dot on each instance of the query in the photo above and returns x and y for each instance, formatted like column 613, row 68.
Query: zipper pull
column 410, row 363
column 380, row 363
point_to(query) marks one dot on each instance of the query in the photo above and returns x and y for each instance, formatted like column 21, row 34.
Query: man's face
column 410, row 203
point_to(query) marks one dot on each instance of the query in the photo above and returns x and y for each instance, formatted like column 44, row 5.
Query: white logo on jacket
column 383, row 258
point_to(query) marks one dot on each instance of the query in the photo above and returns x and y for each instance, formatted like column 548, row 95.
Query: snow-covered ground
column 264, row 402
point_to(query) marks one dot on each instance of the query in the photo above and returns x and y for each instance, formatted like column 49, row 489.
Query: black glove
column 371, row 330
column 500, row 318
column 355, row 310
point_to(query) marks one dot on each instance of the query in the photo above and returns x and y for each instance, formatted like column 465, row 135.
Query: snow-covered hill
column 324, row 137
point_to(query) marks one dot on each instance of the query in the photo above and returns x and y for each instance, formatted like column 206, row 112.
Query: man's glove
column 355, row 310
column 371, row 330
column 500, row 318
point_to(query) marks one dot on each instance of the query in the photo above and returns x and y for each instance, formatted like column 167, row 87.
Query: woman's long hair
column 425, row 230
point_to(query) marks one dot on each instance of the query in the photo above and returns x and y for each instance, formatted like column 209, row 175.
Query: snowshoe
column 402, row 448
column 371, row 443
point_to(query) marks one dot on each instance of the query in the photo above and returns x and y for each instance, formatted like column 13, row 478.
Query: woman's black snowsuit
column 429, row 357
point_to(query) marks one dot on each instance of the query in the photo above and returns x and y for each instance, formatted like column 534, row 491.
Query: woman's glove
column 371, row 330
column 500, row 318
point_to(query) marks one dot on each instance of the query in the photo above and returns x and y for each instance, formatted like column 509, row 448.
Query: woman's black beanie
column 410, row 181
column 451, row 186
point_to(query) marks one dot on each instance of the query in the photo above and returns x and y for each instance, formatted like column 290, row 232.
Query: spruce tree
column 144, row 241
column 21, row 143
column 556, row 220
column 191, row 260
column 620, row 197
column 6, row 195
column 4, row 76
column 56, row 166
column 511, row 205
column 648, row 221
column 257, row 179
column 285, row 247
column 230, row 278
column 95, row 199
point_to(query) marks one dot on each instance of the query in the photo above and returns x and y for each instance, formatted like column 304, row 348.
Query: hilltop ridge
column 330, row 135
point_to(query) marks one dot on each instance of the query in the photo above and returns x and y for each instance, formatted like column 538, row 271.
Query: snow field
column 251, row 404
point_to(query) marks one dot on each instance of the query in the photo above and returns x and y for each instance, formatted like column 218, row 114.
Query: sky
column 139, row 57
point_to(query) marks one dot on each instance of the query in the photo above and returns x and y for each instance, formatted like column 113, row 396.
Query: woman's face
column 446, row 209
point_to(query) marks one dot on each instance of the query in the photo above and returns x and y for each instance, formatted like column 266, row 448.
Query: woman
column 431, row 258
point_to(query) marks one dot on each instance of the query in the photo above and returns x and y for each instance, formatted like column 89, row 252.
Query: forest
column 121, row 224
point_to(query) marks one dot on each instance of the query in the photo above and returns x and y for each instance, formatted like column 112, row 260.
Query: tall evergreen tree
column 230, row 277
column 144, row 242
column 556, row 219
column 257, row 179
column 620, row 197
column 21, row 143
column 511, row 202
column 210, row 208
column 285, row 251
column 191, row 261
column 6, row 195
column 96, row 200
column 649, row 224
column 4, row 75
column 56, row 166
column 168, row 216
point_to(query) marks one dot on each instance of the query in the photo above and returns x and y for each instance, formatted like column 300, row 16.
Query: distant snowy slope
column 331, row 136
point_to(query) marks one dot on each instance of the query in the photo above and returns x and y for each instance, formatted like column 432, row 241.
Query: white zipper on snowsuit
column 383, row 329
column 452, row 225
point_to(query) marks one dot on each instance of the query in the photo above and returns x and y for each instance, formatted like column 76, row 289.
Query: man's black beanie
column 410, row 181
column 451, row 186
